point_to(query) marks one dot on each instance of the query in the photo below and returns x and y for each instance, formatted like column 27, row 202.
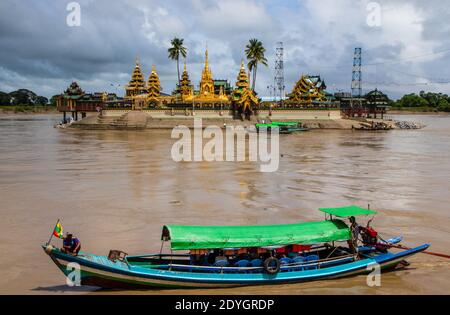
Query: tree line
column 424, row 101
column 23, row 97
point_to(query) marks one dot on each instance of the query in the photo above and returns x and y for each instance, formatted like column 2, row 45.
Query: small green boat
column 284, row 127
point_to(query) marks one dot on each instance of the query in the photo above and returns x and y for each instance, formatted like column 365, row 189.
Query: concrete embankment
column 139, row 120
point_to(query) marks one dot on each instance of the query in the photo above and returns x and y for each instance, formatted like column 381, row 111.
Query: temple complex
column 215, row 97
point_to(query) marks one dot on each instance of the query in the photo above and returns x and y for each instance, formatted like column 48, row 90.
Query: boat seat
column 242, row 263
column 256, row 263
column 311, row 258
column 221, row 263
column 285, row 261
column 299, row 259
column 292, row 255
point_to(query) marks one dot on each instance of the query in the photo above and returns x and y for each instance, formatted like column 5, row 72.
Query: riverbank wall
column 168, row 119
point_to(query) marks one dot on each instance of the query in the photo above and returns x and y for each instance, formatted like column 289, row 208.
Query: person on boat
column 71, row 245
column 355, row 230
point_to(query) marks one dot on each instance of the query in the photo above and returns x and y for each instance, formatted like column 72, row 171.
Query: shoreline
column 33, row 111
column 413, row 112
column 141, row 121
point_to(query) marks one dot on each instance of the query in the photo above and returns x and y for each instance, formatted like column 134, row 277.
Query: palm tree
column 255, row 54
column 175, row 51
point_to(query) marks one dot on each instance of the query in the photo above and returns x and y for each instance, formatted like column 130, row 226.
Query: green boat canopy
column 212, row 237
column 349, row 211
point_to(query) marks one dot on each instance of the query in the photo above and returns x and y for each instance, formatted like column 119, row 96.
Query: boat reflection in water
column 221, row 256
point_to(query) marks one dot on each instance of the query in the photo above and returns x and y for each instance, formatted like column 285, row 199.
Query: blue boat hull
column 99, row 271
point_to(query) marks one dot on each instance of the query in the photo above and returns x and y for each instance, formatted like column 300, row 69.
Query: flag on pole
column 58, row 231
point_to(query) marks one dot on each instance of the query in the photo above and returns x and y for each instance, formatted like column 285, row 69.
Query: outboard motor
column 369, row 236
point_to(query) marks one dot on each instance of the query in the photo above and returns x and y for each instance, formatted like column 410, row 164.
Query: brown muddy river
column 116, row 189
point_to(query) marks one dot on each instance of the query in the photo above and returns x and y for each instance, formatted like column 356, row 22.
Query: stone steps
column 133, row 120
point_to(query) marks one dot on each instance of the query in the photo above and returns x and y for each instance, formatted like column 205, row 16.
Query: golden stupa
column 206, row 92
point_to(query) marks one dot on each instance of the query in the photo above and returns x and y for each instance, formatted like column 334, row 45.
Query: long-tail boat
column 224, row 256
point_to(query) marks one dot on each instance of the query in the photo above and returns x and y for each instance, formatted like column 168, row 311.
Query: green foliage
column 176, row 51
column 5, row 99
column 22, row 98
column 429, row 100
column 444, row 105
column 254, row 52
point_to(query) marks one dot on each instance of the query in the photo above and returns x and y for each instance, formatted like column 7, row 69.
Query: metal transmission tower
column 356, row 74
column 279, row 72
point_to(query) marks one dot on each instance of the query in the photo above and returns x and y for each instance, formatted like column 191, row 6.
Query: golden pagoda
column 307, row 90
column 136, row 86
column 244, row 97
column 207, row 93
column 153, row 87
column 186, row 89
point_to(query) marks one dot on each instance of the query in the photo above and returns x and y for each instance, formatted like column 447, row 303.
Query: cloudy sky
column 406, row 48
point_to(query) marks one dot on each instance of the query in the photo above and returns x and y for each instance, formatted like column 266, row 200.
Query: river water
column 115, row 190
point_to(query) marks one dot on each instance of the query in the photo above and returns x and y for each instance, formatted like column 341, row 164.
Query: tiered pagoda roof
column 243, row 95
column 186, row 88
column 308, row 89
column 242, row 78
column 73, row 91
column 153, row 86
column 136, row 85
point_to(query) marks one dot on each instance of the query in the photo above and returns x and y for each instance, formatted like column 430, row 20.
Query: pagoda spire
column 206, row 83
column 207, row 60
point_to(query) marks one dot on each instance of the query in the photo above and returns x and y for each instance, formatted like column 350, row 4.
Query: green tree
column 41, row 101
column 53, row 100
column 255, row 54
column 412, row 100
column 23, row 97
column 443, row 105
column 176, row 51
column 5, row 99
